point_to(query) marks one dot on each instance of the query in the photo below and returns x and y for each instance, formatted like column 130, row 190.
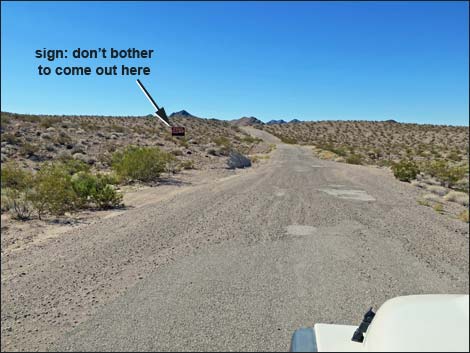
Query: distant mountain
column 274, row 122
column 294, row 121
column 182, row 113
column 391, row 121
column 247, row 121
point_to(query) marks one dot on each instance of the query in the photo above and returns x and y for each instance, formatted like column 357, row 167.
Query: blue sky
column 273, row 60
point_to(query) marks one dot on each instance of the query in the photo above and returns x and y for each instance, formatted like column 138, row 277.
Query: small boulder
column 237, row 160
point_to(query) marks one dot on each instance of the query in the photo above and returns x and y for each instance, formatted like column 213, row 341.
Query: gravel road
column 235, row 264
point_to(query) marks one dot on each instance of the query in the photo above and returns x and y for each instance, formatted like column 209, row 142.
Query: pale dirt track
column 237, row 264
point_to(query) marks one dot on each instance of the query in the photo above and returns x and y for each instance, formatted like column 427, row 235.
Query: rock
column 35, row 158
column 50, row 129
column 237, row 160
column 46, row 136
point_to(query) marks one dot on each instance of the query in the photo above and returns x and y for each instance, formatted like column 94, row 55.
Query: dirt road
column 236, row 264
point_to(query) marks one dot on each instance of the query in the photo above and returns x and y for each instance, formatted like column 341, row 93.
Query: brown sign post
column 177, row 131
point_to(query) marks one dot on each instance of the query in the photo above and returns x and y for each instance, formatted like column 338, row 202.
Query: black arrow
column 160, row 111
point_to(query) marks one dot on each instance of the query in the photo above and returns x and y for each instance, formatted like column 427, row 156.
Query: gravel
column 233, row 264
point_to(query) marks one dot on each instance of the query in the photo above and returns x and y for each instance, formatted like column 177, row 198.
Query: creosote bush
column 96, row 190
column 53, row 191
column 354, row 159
column 57, row 188
column 140, row 163
column 405, row 170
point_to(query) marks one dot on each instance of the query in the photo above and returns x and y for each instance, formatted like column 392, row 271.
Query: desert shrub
column 458, row 197
column 288, row 140
column 454, row 156
column 107, row 197
column 188, row 164
column 4, row 120
column 53, row 191
column 405, row 170
column 63, row 139
column 254, row 159
column 340, row 151
column 139, row 163
column 438, row 190
column 384, row 163
column 117, row 128
column 172, row 165
column 15, row 177
column 212, row 152
column 28, row 118
column 438, row 207
column 453, row 175
column 464, row 216
column 354, row 159
column 28, row 149
column 84, row 185
column 432, row 197
column 73, row 166
column 182, row 141
column 423, row 203
column 445, row 173
column 177, row 153
column 250, row 139
column 48, row 122
column 10, row 138
column 18, row 203
column 96, row 189
column 221, row 141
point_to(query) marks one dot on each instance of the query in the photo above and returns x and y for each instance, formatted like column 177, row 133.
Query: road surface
column 236, row 264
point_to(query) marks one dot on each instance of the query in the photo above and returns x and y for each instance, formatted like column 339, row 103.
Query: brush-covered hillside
column 433, row 157
column 32, row 139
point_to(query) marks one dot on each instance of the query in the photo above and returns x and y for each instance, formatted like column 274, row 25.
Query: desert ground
column 210, row 258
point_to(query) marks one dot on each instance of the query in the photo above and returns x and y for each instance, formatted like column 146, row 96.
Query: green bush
column 405, row 170
column 28, row 149
column 4, row 120
column 139, row 163
column 15, row 177
column 53, row 191
column 250, row 139
column 18, row 203
column 222, row 141
column 10, row 138
column 288, row 140
column 354, row 159
column 445, row 173
column 73, row 166
column 96, row 189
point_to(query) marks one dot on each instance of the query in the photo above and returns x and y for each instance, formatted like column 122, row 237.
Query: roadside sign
column 177, row 131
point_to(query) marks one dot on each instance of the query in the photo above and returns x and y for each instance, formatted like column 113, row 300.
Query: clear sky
column 273, row 60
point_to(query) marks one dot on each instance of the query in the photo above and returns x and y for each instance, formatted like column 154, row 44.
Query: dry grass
column 438, row 190
column 458, row 197
column 464, row 216
column 433, row 198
